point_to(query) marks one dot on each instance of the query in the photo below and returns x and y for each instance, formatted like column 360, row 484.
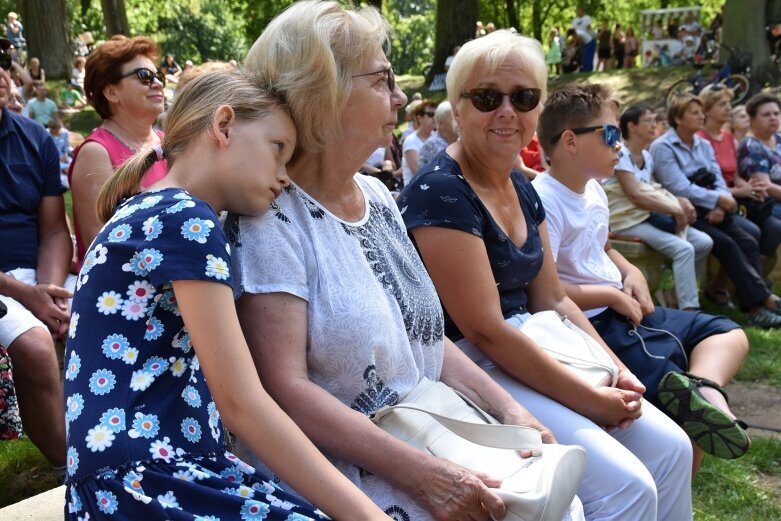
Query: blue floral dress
column 144, row 436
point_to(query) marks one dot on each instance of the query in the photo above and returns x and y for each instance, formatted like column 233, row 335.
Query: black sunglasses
column 488, row 100
column 612, row 133
column 390, row 77
column 5, row 60
column 146, row 76
column 429, row 114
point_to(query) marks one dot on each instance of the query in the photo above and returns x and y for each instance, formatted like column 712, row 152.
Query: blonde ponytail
column 124, row 182
column 190, row 115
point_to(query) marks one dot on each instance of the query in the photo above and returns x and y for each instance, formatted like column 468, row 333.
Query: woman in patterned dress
column 153, row 319
column 338, row 310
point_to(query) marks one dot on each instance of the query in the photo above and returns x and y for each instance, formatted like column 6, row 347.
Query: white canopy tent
column 649, row 17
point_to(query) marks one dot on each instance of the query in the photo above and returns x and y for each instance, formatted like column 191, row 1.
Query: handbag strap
column 498, row 436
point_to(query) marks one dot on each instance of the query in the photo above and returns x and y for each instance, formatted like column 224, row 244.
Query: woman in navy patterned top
column 153, row 318
column 481, row 231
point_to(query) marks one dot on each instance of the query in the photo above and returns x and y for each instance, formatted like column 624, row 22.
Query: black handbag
column 756, row 211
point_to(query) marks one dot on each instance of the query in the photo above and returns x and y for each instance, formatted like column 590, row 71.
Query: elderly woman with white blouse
column 337, row 307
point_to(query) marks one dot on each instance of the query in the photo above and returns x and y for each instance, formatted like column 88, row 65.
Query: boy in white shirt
column 578, row 130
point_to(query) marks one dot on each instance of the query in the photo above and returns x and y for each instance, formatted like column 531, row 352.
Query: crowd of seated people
column 346, row 294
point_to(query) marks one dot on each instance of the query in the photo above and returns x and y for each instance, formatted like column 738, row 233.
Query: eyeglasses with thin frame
column 390, row 77
column 146, row 76
column 611, row 133
column 488, row 100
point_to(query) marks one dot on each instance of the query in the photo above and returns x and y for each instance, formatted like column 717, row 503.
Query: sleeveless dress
column 144, row 438
column 118, row 153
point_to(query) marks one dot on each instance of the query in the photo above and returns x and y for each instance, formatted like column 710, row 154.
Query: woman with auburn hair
column 124, row 86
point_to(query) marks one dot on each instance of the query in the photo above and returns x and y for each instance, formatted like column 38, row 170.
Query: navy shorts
column 652, row 349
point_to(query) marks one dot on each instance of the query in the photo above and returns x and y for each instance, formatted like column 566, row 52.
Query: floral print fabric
column 754, row 156
column 143, row 434
column 10, row 423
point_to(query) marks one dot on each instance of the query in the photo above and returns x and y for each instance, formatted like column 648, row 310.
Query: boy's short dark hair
column 571, row 106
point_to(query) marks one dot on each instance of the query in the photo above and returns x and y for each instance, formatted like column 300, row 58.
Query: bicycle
column 737, row 82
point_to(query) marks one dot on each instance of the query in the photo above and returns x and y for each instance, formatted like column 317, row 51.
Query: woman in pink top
column 126, row 90
column 751, row 194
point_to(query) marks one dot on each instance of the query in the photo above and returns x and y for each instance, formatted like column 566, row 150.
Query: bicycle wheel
column 680, row 87
column 739, row 85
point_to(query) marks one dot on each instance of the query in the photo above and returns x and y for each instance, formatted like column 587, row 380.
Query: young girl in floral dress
column 154, row 321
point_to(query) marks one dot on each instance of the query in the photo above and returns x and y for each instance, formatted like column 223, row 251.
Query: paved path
column 759, row 405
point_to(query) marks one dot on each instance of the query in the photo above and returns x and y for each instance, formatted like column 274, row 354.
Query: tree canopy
column 203, row 30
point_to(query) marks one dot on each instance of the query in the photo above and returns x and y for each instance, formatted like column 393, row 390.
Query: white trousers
column 642, row 473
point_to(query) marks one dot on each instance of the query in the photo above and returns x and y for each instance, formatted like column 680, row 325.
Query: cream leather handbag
column 439, row 421
column 571, row 346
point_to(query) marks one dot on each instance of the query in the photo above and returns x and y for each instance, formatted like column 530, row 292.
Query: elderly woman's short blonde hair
column 309, row 54
column 491, row 51
column 714, row 93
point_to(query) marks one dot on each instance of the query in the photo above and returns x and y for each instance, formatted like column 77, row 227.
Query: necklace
column 122, row 141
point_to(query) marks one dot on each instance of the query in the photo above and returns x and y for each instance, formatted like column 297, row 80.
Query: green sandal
column 710, row 428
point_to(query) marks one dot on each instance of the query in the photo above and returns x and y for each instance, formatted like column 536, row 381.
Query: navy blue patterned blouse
column 441, row 196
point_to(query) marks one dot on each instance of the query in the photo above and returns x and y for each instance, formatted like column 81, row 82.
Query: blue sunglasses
column 612, row 133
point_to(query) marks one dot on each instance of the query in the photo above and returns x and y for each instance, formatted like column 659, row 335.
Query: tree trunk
column 512, row 15
column 537, row 19
column 773, row 13
column 376, row 3
column 744, row 28
column 455, row 25
column 115, row 17
column 46, row 31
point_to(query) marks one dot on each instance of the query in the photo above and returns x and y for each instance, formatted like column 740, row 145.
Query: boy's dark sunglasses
column 612, row 133
column 5, row 60
column 488, row 100
column 390, row 77
column 146, row 76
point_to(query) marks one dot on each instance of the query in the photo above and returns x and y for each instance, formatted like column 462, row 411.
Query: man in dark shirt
column 34, row 261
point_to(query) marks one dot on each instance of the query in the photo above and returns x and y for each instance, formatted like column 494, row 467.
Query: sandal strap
column 700, row 381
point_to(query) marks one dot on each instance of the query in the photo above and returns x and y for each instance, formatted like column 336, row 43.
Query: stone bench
column 46, row 506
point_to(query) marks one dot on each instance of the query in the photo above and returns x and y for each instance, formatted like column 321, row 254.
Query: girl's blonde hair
column 191, row 115
column 310, row 52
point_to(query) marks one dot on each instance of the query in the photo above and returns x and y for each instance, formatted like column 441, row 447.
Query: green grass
column 632, row 85
column 737, row 490
column 23, row 471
